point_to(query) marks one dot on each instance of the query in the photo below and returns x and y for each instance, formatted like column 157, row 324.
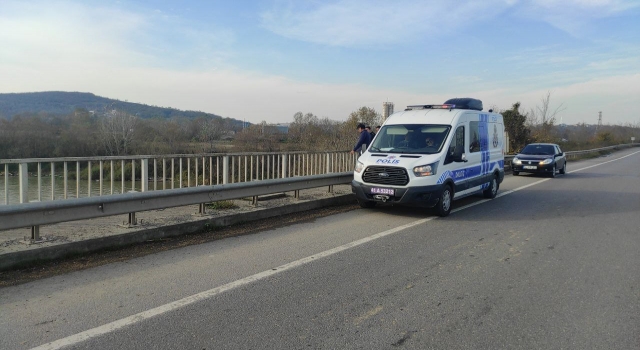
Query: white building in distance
column 387, row 110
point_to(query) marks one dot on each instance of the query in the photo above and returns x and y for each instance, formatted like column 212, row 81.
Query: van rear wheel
column 443, row 208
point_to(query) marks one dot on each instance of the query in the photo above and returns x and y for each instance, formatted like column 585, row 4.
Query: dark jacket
column 364, row 140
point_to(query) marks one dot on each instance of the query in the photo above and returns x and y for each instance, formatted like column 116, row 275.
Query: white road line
column 133, row 319
column 613, row 160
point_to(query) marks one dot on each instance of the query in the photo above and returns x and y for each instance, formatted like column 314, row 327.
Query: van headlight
column 546, row 161
column 516, row 161
column 359, row 167
column 425, row 170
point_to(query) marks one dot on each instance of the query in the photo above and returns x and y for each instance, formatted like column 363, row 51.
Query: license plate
column 388, row 191
column 529, row 167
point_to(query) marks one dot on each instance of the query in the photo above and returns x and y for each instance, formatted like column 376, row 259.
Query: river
column 58, row 193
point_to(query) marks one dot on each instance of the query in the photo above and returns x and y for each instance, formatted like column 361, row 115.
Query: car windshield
column 539, row 150
column 410, row 138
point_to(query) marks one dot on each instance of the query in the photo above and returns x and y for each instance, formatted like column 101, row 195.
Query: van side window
column 456, row 147
column 474, row 137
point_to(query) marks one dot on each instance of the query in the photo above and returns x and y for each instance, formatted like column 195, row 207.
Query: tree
column 515, row 125
column 366, row 115
column 304, row 130
column 211, row 130
column 332, row 136
column 116, row 132
column 77, row 135
column 605, row 137
column 258, row 137
column 171, row 136
column 542, row 120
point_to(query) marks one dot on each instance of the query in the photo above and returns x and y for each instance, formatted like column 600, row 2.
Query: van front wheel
column 492, row 190
column 444, row 204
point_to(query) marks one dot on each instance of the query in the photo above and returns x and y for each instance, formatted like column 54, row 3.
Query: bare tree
column 304, row 129
column 212, row 130
column 542, row 119
column 116, row 132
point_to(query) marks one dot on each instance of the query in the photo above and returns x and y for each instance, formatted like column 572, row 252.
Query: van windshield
column 410, row 138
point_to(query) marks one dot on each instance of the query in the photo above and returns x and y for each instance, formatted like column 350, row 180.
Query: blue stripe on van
column 484, row 142
column 470, row 172
column 485, row 167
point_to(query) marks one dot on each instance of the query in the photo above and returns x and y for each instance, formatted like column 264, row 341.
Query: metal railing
column 44, row 213
column 577, row 154
column 43, row 179
column 298, row 171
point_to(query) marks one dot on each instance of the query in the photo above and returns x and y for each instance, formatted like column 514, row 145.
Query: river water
column 13, row 192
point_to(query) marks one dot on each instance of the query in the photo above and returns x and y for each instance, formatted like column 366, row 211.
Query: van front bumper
column 422, row 196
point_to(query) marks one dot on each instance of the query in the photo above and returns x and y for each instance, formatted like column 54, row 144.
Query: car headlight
column 425, row 170
column 516, row 161
column 359, row 167
column 546, row 161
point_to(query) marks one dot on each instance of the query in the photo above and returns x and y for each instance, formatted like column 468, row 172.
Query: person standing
column 363, row 141
column 371, row 133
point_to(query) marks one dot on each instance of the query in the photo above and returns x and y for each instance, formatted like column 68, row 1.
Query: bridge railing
column 295, row 171
column 45, row 179
column 44, row 213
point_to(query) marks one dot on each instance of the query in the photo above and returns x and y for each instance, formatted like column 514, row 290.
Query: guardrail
column 78, row 177
column 25, row 180
column 44, row 213
column 576, row 154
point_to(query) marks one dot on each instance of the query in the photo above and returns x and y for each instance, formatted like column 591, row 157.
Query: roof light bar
column 454, row 103
column 442, row 106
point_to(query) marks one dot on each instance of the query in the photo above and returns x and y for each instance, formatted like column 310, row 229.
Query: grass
column 221, row 205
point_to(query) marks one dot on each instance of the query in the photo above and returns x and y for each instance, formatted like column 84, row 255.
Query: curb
column 16, row 259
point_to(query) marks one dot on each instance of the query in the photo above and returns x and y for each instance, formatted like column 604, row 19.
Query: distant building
column 387, row 110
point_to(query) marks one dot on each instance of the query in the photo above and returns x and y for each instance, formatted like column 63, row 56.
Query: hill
column 63, row 103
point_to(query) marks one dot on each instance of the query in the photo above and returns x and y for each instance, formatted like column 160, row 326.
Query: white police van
column 429, row 155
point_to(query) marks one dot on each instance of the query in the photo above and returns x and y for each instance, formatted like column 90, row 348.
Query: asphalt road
column 549, row 264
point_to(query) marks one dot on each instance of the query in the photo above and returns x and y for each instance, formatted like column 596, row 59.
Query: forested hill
column 62, row 103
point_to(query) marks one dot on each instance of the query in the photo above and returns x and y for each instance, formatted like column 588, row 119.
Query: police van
column 430, row 155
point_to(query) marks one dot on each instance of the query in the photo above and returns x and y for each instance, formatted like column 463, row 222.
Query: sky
column 266, row 60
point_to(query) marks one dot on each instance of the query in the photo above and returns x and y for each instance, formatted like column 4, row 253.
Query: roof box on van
column 465, row 103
